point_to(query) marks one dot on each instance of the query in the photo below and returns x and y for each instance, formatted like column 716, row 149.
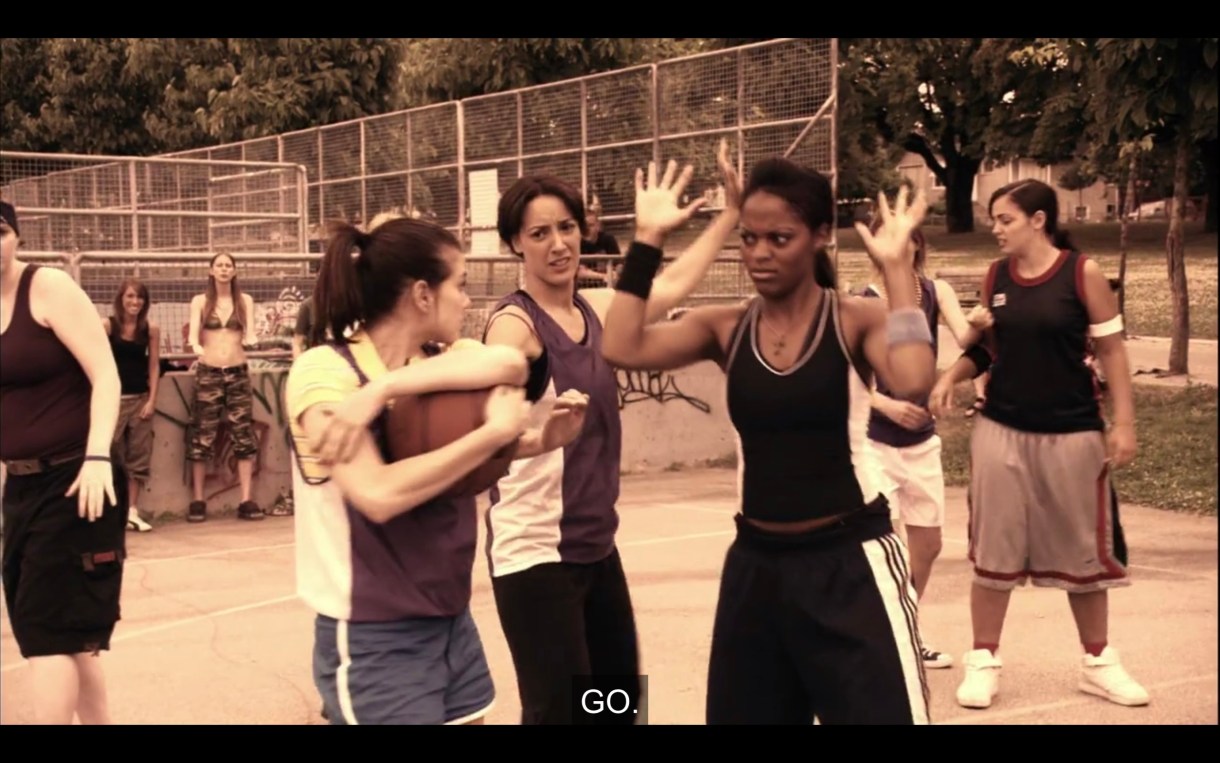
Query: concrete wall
column 669, row 419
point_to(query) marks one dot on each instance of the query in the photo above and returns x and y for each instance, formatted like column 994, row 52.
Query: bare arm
column 251, row 339
column 955, row 319
column 630, row 344
column 908, row 369
column 383, row 491
column 476, row 368
column 1111, row 350
column 467, row 369
column 73, row 318
column 154, row 361
column 192, row 336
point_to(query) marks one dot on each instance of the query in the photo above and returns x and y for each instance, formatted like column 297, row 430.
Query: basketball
column 417, row 424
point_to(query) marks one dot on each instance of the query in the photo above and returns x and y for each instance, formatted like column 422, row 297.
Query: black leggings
column 564, row 621
column 817, row 624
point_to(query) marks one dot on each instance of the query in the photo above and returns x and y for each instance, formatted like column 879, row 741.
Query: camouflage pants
column 222, row 393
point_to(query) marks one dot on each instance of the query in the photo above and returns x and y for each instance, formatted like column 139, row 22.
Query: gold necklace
column 781, row 340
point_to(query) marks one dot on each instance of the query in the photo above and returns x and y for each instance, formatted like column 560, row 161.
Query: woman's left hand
column 148, row 410
column 889, row 247
column 94, row 483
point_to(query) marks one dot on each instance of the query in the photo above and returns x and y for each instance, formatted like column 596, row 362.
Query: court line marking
column 282, row 599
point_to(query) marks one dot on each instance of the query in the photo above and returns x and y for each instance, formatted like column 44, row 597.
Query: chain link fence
column 449, row 162
column 267, row 201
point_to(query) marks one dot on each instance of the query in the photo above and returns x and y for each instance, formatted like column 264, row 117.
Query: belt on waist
column 27, row 466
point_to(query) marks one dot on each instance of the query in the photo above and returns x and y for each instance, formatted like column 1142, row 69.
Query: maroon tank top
column 44, row 392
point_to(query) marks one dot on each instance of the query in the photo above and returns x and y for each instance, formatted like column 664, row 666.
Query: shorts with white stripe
column 820, row 624
column 419, row 671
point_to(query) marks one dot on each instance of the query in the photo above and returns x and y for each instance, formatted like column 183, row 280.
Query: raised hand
column 889, row 247
column 657, row 208
column 732, row 183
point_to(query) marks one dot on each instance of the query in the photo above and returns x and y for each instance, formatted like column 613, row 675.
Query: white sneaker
column 1105, row 677
column 981, row 681
column 134, row 522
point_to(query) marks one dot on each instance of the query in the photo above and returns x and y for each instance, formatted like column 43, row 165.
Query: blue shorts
column 420, row 671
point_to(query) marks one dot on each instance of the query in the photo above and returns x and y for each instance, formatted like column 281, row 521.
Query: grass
column 1175, row 464
column 1148, row 306
column 1174, row 467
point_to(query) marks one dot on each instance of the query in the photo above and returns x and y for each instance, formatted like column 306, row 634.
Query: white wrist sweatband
column 906, row 326
column 1109, row 328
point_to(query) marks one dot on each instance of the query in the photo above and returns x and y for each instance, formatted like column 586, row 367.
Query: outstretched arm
column 680, row 278
column 897, row 340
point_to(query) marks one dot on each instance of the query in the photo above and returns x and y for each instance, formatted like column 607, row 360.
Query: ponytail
column 1062, row 240
column 824, row 270
column 337, row 299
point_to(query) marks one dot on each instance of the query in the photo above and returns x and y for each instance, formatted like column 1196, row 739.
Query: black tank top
column 131, row 356
column 802, row 432
column 44, row 392
column 1039, row 381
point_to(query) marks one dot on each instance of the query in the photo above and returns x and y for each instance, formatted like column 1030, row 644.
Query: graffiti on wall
column 220, row 475
column 659, row 386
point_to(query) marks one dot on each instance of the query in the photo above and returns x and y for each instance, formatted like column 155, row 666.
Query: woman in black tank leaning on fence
column 816, row 615
column 64, row 501
column 136, row 343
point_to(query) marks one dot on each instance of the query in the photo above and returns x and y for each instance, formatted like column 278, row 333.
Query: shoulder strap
column 744, row 326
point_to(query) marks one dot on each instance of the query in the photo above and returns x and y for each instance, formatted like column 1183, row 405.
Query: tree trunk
column 1123, row 209
column 1175, row 246
column 959, row 187
column 1211, row 174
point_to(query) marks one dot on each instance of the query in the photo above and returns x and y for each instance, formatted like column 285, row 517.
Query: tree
column 939, row 98
column 220, row 89
column 73, row 94
column 22, row 92
column 1164, row 87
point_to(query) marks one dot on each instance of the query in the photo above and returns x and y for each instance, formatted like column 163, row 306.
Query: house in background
column 1097, row 203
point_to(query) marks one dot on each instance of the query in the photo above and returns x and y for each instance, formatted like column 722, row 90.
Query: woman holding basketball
column 817, row 615
column 558, row 580
column 384, row 556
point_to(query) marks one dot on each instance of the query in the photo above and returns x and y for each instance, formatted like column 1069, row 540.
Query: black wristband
column 981, row 358
column 639, row 268
column 98, row 458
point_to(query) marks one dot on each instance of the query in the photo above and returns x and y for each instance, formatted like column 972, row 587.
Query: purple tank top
column 576, row 495
column 880, row 427
column 418, row 564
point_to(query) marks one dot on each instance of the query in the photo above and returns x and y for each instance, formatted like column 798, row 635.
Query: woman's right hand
column 940, row 399
column 507, row 411
column 346, row 424
column 980, row 318
column 197, row 349
column 732, row 183
column 657, row 208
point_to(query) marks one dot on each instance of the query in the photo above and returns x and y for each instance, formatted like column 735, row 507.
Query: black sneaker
column 250, row 510
column 197, row 512
column 934, row 659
